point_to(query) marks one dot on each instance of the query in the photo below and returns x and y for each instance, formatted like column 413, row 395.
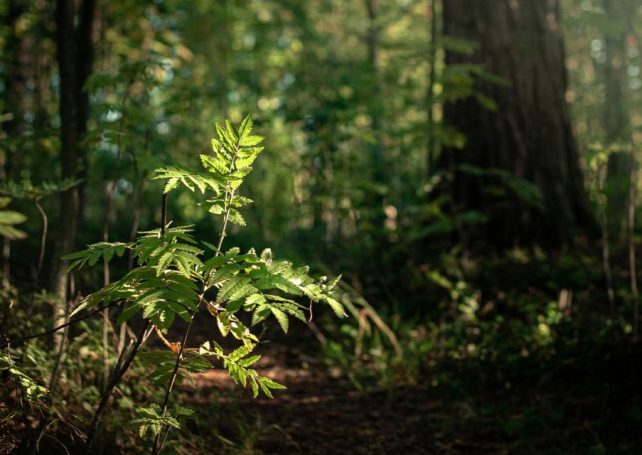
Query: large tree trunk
column 528, row 136
column 75, row 59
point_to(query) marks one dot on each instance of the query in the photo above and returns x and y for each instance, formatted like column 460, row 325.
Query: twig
column 6, row 265
column 121, row 369
column 20, row 340
column 54, row 374
column 160, row 440
column 318, row 333
column 117, row 374
column 43, row 237
column 606, row 264
column 53, row 381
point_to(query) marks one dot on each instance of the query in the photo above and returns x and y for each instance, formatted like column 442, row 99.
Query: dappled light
column 320, row 227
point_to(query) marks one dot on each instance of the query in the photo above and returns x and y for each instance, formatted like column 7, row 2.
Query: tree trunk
column 15, row 97
column 15, row 87
column 75, row 59
column 431, row 143
column 528, row 137
column 375, row 108
column 616, row 120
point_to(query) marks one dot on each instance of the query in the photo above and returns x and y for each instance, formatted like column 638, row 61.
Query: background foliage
column 350, row 97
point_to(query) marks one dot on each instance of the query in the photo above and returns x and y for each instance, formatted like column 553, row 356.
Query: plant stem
column 606, row 263
column 19, row 341
column 43, row 237
column 121, row 369
column 160, row 440
column 117, row 374
column 6, row 265
column 631, row 244
column 229, row 196
column 54, row 374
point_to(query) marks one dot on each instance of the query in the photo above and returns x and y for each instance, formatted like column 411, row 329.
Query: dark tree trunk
column 75, row 59
column 616, row 122
column 15, row 98
column 431, row 143
column 15, row 86
column 528, row 136
column 375, row 107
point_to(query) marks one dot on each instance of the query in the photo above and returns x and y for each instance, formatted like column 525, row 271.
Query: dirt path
column 319, row 413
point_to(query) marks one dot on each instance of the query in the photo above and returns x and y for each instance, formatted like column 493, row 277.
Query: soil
column 321, row 412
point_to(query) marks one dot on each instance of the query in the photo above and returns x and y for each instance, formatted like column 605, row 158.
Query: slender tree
column 15, row 96
column 431, row 143
column 375, row 108
column 616, row 122
column 75, row 60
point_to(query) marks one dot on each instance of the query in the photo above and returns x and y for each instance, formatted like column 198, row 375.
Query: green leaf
column 281, row 317
column 255, row 388
column 231, row 287
column 332, row 284
column 190, row 180
column 223, row 324
column 236, row 217
column 336, row 306
column 8, row 219
column 246, row 126
column 266, row 255
column 234, row 306
column 250, row 141
column 272, row 384
column 239, row 353
column 260, row 313
column 249, row 361
column 266, row 384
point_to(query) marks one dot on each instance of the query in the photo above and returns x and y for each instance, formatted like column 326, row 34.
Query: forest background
column 469, row 168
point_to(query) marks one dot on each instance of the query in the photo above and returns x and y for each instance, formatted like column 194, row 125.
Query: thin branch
column 122, row 366
column 43, row 237
column 21, row 340
column 117, row 374
column 606, row 263
column 631, row 244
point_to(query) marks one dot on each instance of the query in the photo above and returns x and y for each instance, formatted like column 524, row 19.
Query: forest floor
column 590, row 405
column 572, row 398
column 321, row 412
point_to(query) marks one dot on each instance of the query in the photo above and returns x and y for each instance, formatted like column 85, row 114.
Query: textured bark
column 529, row 134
